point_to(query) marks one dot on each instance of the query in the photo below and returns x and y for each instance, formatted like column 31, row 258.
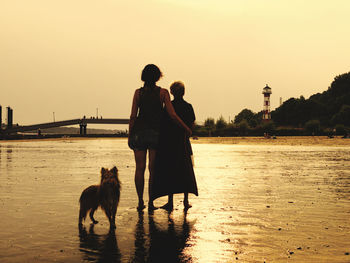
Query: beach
column 260, row 200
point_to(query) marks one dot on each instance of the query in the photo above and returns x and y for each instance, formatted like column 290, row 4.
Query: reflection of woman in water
column 140, row 253
column 165, row 242
column 173, row 167
column 146, row 111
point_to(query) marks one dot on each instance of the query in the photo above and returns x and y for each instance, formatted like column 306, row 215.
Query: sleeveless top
column 150, row 109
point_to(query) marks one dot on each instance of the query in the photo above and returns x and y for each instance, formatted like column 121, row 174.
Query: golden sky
column 73, row 56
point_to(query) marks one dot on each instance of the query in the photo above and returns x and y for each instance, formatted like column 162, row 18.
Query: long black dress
column 173, row 166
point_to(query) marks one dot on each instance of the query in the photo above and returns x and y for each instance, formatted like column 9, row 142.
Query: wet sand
column 283, row 140
column 260, row 200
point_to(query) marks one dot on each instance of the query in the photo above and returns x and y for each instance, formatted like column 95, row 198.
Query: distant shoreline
column 337, row 141
column 21, row 137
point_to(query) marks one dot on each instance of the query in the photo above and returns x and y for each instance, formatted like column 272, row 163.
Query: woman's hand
column 188, row 132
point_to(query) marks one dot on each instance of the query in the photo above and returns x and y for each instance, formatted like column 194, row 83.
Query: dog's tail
column 87, row 201
column 82, row 212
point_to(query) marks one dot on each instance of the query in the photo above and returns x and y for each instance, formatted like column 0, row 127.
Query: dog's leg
column 109, row 215
column 114, row 211
column 108, row 211
column 82, row 215
column 92, row 215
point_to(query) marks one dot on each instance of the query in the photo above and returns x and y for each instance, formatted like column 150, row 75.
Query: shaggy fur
column 106, row 195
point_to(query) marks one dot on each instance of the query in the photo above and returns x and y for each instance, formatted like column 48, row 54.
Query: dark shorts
column 143, row 140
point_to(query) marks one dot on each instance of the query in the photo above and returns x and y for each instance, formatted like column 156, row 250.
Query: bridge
column 81, row 122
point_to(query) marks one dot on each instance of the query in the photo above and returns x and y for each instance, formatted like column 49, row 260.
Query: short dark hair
column 177, row 89
column 151, row 73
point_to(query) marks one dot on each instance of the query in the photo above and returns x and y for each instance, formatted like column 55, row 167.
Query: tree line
column 322, row 114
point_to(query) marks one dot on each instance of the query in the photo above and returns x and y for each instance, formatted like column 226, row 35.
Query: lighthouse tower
column 266, row 110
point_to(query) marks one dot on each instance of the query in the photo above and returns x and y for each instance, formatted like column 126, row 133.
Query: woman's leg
column 186, row 203
column 140, row 159
column 151, row 168
column 170, row 205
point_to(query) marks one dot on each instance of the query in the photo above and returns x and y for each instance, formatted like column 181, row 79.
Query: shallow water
column 256, row 203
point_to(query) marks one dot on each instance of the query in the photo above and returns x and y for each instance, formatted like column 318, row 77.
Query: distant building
column 266, row 108
column 9, row 117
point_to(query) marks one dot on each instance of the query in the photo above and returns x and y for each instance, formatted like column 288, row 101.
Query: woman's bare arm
column 134, row 108
column 170, row 109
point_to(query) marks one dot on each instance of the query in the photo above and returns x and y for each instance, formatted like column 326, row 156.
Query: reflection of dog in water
column 98, row 247
column 106, row 195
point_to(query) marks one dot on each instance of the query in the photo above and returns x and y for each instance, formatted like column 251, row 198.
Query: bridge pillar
column 84, row 129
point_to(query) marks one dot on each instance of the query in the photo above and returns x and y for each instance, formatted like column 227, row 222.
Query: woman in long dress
column 174, row 170
column 146, row 111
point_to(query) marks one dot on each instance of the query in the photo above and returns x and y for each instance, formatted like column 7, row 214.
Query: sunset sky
column 73, row 56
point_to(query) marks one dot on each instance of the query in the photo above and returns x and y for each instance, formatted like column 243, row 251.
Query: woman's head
column 177, row 89
column 151, row 74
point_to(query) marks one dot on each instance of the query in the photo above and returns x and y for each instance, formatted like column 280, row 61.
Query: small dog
column 106, row 195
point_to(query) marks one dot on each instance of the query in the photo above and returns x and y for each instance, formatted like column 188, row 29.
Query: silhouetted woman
column 173, row 167
column 146, row 112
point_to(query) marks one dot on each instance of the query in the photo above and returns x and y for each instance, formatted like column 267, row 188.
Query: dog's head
column 109, row 174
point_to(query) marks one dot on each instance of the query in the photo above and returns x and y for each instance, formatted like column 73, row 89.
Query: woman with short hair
column 173, row 167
